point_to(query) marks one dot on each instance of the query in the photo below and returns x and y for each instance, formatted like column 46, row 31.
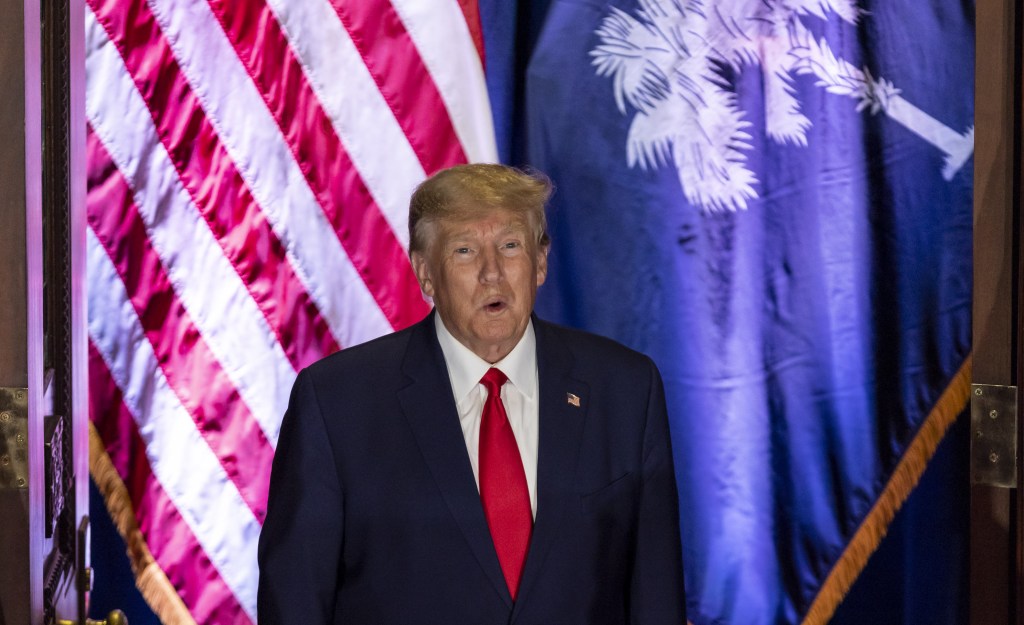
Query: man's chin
column 498, row 336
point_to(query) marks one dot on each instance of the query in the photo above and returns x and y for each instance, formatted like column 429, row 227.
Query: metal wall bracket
column 994, row 435
column 13, row 438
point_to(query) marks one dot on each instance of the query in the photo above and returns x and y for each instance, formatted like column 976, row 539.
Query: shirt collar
column 466, row 368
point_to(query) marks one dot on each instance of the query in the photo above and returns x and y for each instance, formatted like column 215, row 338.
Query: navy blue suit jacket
column 374, row 515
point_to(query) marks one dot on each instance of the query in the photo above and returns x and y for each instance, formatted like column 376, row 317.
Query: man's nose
column 490, row 266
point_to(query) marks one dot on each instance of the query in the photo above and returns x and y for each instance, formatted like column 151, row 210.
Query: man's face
column 483, row 275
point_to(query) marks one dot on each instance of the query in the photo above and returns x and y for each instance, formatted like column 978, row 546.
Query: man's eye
column 462, row 250
column 511, row 245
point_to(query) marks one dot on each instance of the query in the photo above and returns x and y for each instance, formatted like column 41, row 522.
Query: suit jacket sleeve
column 300, row 545
column 657, row 593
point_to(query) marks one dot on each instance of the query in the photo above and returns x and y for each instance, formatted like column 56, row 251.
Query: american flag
column 249, row 168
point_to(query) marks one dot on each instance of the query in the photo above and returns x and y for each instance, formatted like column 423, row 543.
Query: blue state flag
column 773, row 200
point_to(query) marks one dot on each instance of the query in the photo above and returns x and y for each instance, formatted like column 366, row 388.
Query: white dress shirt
column 519, row 394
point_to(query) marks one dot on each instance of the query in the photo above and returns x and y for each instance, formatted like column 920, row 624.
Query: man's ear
column 422, row 269
column 542, row 264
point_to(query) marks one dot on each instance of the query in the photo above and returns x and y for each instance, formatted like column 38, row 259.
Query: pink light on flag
column 250, row 165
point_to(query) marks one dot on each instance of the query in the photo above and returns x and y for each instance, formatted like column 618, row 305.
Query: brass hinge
column 13, row 438
column 994, row 435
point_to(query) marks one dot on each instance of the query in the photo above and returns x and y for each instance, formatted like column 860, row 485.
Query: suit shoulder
column 598, row 349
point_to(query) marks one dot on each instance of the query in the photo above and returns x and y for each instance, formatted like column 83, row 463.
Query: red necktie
column 503, row 490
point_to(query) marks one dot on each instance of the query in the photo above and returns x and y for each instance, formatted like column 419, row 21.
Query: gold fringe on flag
column 904, row 479
column 163, row 599
column 150, row 579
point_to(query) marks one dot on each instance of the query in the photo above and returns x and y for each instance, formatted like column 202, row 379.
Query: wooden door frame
column 42, row 190
column 995, row 518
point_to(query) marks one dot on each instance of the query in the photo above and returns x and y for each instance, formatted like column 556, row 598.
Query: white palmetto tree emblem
column 667, row 62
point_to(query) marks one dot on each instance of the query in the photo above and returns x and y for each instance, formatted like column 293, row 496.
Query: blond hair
column 466, row 191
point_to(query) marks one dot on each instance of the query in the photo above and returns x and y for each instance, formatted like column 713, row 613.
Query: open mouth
column 495, row 306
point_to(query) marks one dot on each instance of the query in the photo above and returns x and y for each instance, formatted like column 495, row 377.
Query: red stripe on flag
column 183, row 560
column 120, row 436
column 471, row 11
column 365, row 235
column 167, row 536
column 395, row 64
column 212, row 180
column 192, row 371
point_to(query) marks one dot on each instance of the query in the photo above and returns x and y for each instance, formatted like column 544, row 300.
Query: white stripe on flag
column 443, row 39
column 209, row 495
column 210, row 289
column 252, row 138
column 181, row 460
column 361, row 117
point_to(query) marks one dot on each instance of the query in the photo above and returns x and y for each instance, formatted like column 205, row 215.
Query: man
column 482, row 466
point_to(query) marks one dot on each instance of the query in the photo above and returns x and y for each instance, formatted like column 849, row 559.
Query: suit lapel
column 561, row 427
column 430, row 409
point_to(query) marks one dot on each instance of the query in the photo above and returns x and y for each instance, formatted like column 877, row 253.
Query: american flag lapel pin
column 572, row 399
